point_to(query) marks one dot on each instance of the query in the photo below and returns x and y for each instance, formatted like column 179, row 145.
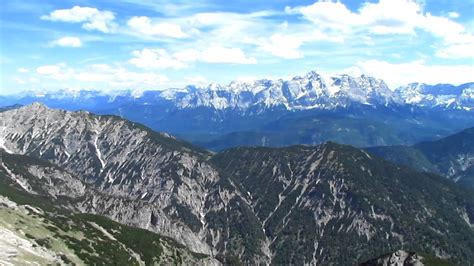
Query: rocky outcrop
column 397, row 258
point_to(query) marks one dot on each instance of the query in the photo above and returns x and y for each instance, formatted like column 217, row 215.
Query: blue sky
column 157, row 44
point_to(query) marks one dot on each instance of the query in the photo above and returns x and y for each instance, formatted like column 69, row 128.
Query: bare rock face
column 292, row 205
column 397, row 258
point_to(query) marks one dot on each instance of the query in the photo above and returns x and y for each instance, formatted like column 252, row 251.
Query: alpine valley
column 81, row 188
column 311, row 109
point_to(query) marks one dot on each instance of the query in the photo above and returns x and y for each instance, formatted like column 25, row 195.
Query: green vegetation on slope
column 353, row 205
column 450, row 156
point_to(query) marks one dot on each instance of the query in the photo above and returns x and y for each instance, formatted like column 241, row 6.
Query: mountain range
column 311, row 91
column 322, row 204
column 309, row 109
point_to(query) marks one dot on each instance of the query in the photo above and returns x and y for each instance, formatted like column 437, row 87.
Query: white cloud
column 99, row 76
column 48, row 69
column 22, row 70
column 229, row 32
column 20, row 81
column 155, row 58
column 442, row 27
column 287, row 44
column 383, row 17
column 197, row 80
column 68, row 42
column 57, row 71
column 228, row 29
column 92, row 18
column 327, row 14
column 187, row 55
column 25, row 80
column 283, row 46
column 457, row 42
column 417, row 71
column 453, row 14
column 118, row 76
column 461, row 51
column 218, row 54
column 391, row 17
column 160, row 58
column 144, row 25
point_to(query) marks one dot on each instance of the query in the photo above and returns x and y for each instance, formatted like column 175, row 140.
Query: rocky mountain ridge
column 440, row 95
column 310, row 91
column 253, row 205
column 113, row 154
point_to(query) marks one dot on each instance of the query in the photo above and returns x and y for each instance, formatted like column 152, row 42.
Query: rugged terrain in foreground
column 300, row 204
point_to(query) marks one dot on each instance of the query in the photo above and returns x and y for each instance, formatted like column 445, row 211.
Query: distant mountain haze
column 452, row 156
column 309, row 109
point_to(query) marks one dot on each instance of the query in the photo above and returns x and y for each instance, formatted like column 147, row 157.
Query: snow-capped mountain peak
column 440, row 95
column 310, row 91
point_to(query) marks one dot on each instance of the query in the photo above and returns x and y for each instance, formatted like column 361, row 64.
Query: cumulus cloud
column 283, row 46
column 390, row 17
column 229, row 30
column 327, row 14
column 144, row 25
column 397, row 74
column 383, row 17
column 101, row 75
column 160, row 58
column 68, row 42
column 324, row 21
column 91, row 18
